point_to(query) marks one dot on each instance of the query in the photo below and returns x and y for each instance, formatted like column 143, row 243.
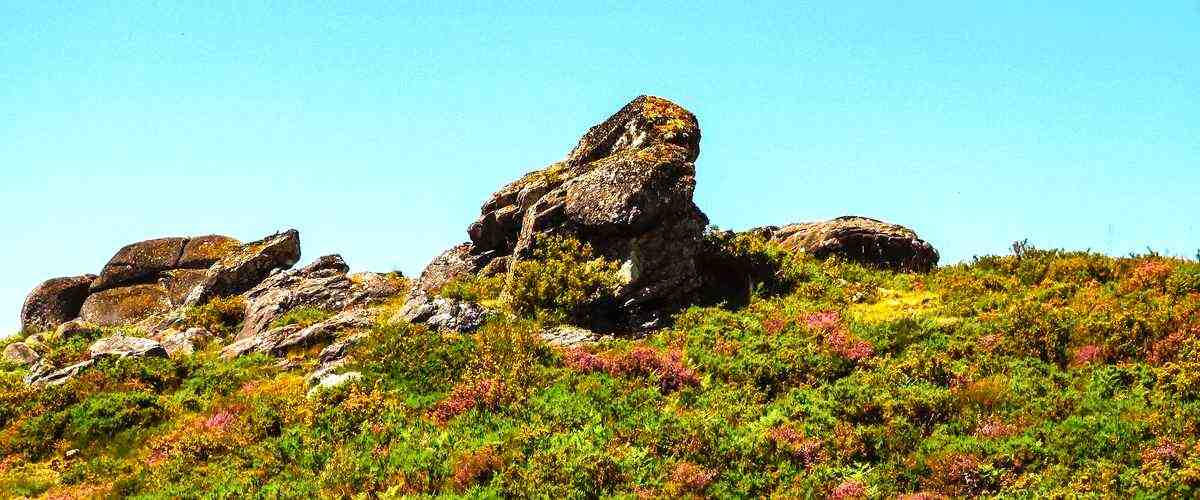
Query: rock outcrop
column 323, row 284
column 625, row 189
column 55, row 301
column 141, row 262
column 126, row 305
column 441, row 313
column 859, row 239
column 247, row 266
column 278, row 341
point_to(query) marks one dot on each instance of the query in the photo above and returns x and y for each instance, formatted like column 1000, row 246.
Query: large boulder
column 859, row 239
column 625, row 189
column 55, row 301
column 142, row 262
column 247, row 266
column 126, row 305
column 323, row 284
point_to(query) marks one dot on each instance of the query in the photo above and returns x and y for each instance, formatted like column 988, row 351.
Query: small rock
column 122, row 346
column 570, row 336
column 332, row 380
column 20, row 354
column 441, row 313
column 42, row 375
column 183, row 343
column 74, row 328
column 54, row 302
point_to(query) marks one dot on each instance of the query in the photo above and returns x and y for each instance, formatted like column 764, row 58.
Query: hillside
column 598, row 337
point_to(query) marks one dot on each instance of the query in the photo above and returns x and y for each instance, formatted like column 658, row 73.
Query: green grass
column 1048, row 374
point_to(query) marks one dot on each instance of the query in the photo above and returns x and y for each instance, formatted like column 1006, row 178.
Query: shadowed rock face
column 860, row 239
column 55, row 301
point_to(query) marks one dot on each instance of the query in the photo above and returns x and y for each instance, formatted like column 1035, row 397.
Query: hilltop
column 597, row 336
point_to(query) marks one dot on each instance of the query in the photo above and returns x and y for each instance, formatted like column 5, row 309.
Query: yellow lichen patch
column 896, row 304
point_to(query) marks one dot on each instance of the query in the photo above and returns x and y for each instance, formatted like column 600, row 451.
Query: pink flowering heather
column 1087, row 355
column 689, row 477
column 774, row 324
column 1165, row 451
column 847, row 346
column 466, row 396
column 823, row 321
column 667, row 366
column 583, row 361
column 809, row 451
column 994, row 428
column 923, row 495
column 849, row 489
column 988, row 343
column 1165, row 349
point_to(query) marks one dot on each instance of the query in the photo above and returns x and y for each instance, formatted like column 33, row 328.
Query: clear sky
column 378, row 128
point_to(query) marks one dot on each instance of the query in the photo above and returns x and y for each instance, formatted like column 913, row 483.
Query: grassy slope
column 1045, row 374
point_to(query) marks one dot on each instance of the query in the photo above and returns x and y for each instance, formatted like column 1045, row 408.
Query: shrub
column 303, row 316
column 474, row 288
column 561, row 282
column 221, row 315
column 106, row 414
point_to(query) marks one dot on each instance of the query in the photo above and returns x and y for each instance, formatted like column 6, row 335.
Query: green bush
column 473, row 288
column 561, row 280
column 221, row 315
column 302, row 316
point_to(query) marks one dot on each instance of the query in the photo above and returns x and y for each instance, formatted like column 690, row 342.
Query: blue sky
column 378, row 128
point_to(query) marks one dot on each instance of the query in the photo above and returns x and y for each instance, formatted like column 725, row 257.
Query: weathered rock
column 323, row 284
column 125, row 305
column 331, row 380
column 203, row 251
column 54, row 302
column 859, row 239
column 141, row 262
column 184, row 343
column 20, row 354
column 74, row 328
column 625, row 189
column 278, row 341
column 122, row 346
column 453, row 263
column 248, row 266
column 43, row 375
column 180, row 282
column 570, row 336
column 441, row 313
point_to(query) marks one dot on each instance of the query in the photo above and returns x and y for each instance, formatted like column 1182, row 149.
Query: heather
column 1041, row 373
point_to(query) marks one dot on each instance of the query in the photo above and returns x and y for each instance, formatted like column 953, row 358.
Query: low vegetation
column 1039, row 374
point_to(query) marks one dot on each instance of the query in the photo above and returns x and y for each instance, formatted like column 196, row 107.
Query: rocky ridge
column 625, row 190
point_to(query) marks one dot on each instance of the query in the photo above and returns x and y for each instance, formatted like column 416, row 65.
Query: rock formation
column 860, row 239
column 54, row 302
column 625, row 189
